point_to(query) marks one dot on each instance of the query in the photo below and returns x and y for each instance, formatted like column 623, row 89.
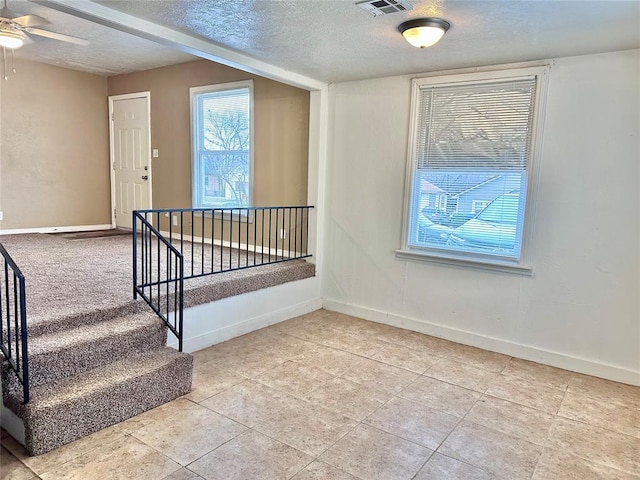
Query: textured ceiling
column 334, row 40
column 110, row 52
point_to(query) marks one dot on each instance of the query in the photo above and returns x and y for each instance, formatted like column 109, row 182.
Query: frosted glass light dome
column 424, row 32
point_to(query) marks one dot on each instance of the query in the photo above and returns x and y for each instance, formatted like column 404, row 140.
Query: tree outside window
column 222, row 146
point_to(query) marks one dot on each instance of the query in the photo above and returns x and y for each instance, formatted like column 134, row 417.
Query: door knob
column 145, row 177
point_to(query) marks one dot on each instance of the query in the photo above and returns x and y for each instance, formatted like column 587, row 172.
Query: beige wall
column 281, row 134
column 54, row 156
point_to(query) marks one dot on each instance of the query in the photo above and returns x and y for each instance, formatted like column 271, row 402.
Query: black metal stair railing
column 171, row 245
column 13, row 321
column 158, row 274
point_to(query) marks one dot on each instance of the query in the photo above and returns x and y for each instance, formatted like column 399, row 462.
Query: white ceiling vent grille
column 384, row 7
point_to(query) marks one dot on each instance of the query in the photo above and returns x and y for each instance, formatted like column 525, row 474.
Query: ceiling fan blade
column 30, row 20
column 57, row 36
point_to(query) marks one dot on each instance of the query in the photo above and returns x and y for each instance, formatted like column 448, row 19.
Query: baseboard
column 76, row 228
column 248, row 247
column 228, row 332
column 12, row 424
column 525, row 352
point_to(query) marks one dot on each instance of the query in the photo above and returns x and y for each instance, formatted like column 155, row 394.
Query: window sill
column 492, row 265
column 236, row 217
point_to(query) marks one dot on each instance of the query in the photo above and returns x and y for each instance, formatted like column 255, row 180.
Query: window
column 478, row 205
column 471, row 153
column 221, row 118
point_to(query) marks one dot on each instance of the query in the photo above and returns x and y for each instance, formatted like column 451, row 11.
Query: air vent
column 384, row 7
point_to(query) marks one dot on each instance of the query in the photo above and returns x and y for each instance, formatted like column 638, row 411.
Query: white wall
column 580, row 310
column 212, row 323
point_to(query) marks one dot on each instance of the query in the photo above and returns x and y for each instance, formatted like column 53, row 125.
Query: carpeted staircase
column 96, row 356
column 86, row 377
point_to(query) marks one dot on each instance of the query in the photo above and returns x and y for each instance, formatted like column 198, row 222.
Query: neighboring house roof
column 428, row 187
column 448, row 183
column 481, row 184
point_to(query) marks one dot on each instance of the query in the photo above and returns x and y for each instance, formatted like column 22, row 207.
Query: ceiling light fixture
column 423, row 32
column 10, row 39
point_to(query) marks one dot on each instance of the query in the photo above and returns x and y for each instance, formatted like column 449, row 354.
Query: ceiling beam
column 168, row 37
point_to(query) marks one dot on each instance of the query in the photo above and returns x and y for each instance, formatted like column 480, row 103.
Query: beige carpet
column 92, row 234
column 79, row 279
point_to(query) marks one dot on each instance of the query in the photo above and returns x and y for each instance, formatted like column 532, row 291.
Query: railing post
column 8, row 303
column 181, row 304
column 306, row 245
column 23, row 338
column 15, row 307
column 134, row 235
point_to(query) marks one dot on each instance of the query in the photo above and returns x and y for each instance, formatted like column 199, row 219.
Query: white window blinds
column 225, row 120
column 484, row 125
column 472, row 149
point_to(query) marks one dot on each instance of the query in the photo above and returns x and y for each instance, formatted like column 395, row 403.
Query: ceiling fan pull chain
column 13, row 61
column 4, row 63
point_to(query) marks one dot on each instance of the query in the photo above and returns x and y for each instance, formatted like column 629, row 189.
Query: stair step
column 69, row 409
column 82, row 317
column 200, row 291
column 69, row 352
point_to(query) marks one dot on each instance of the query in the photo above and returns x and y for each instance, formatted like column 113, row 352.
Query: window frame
column 194, row 92
column 466, row 259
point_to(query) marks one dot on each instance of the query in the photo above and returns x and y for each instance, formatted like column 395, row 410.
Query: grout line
column 564, row 396
column 465, row 462
column 458, row 424
column 9, row 452
column 338, row 440
column 405, row 440
column 546, row 441
column 433, row 452
column 212, row 450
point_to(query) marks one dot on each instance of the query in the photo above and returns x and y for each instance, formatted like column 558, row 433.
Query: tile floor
column 327, row 396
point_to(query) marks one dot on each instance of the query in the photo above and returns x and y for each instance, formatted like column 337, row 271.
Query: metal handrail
column 211, row 241
column 13, row 309
column 153, row 279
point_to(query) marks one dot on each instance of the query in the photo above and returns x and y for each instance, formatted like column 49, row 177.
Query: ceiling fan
column 16, row 29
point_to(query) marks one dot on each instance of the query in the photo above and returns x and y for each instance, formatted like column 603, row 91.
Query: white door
column 130, row 155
